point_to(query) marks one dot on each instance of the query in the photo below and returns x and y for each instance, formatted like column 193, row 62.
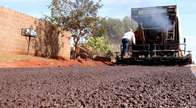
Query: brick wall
column 49, row 43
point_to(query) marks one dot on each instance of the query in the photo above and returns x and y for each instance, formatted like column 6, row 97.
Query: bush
column 100, row 45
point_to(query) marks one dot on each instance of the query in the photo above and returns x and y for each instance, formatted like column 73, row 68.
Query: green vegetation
column 81, row 19
column 115, row 28
column 77, row 16
column 99, row 44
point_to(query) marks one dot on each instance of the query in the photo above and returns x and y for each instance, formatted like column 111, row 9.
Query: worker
column 127, row 39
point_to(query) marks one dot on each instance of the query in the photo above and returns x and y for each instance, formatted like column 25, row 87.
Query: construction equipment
column 157, row 38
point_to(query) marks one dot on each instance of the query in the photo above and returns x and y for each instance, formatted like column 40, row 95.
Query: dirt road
column 97, row 87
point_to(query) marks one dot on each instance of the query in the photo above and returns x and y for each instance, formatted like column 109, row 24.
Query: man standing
column 128, row 38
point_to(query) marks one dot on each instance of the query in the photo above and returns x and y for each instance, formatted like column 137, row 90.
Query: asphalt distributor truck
column 157, row 38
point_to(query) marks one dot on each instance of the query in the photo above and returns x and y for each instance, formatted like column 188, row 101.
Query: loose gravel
column 98, row 87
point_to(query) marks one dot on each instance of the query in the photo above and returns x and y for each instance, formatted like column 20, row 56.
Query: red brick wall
column 11, row 40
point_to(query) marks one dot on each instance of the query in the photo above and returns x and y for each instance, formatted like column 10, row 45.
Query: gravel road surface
column 98, row 87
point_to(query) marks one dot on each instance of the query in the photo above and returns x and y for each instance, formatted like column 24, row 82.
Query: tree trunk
column 77, row 48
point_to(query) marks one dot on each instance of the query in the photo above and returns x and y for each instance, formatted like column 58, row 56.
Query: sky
column 119, row 9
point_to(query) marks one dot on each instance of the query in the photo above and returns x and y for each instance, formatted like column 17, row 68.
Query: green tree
column 115, row 28
column 100, row 30
column 77, row 16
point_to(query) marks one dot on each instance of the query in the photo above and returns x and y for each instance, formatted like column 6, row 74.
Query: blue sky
column 119, row 9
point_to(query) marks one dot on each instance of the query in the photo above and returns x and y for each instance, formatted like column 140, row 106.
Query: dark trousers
column 125, row 45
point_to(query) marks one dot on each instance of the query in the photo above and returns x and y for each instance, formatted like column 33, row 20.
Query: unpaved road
column 100, row 87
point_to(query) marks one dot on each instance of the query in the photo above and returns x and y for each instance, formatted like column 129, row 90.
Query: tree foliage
column 114, row 29
column 78, row 16
column 99, row 44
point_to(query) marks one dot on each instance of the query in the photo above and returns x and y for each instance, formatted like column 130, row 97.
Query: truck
column 157, row 38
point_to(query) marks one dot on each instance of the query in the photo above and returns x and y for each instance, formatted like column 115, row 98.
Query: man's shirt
column 130, row 36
